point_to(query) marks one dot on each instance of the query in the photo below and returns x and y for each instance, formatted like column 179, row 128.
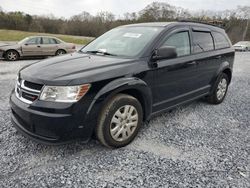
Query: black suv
column 120, row 80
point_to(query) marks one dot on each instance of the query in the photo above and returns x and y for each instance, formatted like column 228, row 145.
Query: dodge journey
column 110, row 87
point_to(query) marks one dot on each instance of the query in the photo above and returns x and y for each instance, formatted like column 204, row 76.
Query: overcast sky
column 67, row 8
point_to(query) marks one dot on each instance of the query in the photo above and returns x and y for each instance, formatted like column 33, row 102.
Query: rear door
column 49, row 46
column 207, row 45
column 203, row 48
column 32, row 47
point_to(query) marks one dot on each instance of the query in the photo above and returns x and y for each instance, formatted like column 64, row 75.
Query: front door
column 175, row 79
column 32, row 47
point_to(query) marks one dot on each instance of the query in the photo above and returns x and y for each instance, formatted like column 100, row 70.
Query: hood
column 6, row 46
column 78, row 68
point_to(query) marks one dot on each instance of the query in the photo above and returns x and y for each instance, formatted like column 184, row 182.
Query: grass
column 14, row 35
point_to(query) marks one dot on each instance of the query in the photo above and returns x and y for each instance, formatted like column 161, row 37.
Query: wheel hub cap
column 124, row 123
column 12, row 56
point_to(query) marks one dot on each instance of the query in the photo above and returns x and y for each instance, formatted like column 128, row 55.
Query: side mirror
column 165, row 52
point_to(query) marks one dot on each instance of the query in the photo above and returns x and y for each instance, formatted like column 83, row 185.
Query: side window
column 34, row 41
column 46, row 40
column 220, row 41
column 49, row 40
column 181, row 42
column 203, row 41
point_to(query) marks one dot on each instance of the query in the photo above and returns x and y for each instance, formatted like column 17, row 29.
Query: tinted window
column 220, row 41
column 48, row 41
column 203, row 42
column 34, row 41
column 180, row 41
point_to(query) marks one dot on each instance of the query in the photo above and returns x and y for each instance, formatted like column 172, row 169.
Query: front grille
column 33, row 85
column 30, row 97
column 26, row 91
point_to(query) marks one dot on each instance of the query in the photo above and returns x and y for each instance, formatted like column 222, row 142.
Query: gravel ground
column 196, row 145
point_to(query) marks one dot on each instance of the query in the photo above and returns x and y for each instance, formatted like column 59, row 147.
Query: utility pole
column 245, row 31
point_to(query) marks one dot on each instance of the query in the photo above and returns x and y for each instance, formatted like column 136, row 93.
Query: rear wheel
column 60, row 52
column 12, row 55
column 219, row 92
column 120, row 121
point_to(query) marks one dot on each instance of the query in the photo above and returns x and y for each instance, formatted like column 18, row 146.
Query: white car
column 242, row 46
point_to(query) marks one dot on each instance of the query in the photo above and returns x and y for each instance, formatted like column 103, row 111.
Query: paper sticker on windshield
column 132, row 35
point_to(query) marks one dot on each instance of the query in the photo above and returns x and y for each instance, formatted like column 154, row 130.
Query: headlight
column 64, row 93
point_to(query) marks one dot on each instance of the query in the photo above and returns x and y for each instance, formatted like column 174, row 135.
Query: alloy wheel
column 221, row 89
column 12, row 56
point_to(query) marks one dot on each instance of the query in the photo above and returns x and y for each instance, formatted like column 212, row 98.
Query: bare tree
column 130, row 16
column 84, row 16
column 157, row 11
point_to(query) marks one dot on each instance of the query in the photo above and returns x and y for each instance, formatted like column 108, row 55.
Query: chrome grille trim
column 20, row 88
column 28, row 89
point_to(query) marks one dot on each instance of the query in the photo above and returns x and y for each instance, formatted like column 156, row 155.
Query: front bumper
column 50, row 124
column 1, row 54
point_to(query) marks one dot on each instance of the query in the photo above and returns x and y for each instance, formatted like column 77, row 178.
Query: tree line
column 235, row 22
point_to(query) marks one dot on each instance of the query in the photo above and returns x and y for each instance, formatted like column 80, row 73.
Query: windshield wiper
column 100, row 52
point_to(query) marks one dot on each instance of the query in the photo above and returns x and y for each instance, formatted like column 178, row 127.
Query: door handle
column 39, row 46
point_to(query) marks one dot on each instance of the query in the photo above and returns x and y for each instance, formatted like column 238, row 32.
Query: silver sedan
column 36, row 46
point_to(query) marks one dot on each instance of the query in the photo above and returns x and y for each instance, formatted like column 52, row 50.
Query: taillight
column 74, row 47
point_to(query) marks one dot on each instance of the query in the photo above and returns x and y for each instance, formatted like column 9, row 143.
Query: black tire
column 60, row 52
column 104, row 125
column 214, row 97
column 12, row 55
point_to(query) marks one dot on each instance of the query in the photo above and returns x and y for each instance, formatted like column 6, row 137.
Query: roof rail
column 214, row 23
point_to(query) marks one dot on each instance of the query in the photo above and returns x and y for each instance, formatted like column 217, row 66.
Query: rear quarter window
column 220, row 41
column 202, row 41
column 57, row 41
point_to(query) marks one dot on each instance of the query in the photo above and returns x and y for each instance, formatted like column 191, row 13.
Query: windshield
column 23, row 41
column 123, row 41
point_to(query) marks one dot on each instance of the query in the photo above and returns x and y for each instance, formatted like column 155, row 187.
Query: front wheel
column 119, row 121
column 219, row 92
column 12, row 55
